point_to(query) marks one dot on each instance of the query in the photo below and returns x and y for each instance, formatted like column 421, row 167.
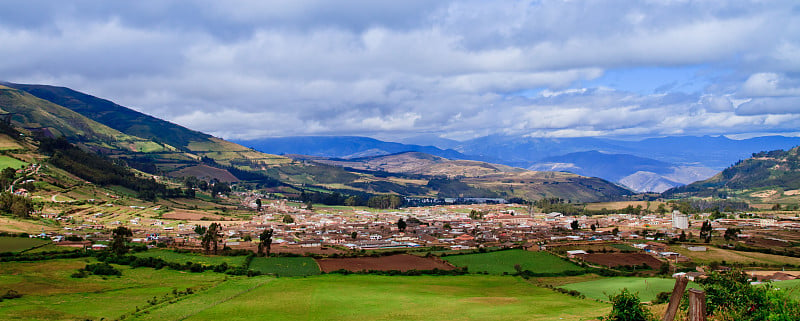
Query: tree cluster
column 19, row 206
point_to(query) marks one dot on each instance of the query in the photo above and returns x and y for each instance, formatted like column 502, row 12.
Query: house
column 573, row 253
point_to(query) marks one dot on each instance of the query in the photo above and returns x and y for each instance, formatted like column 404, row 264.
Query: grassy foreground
column 503, row 262
column 49, row 293
column 370, row 297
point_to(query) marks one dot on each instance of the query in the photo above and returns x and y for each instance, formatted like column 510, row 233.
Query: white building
column 680, row 221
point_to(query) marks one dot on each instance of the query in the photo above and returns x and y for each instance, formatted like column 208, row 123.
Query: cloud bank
column 249, row 69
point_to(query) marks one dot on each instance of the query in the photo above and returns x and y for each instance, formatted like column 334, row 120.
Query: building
column 680, row 221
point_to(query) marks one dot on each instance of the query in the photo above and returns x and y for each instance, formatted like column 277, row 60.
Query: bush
column 102, row 269
column 730, row 296
column 627, row 307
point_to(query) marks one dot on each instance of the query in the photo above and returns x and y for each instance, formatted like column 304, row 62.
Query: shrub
column 627, row 307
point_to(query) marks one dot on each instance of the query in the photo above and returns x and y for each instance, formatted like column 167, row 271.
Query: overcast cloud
column 391, row 69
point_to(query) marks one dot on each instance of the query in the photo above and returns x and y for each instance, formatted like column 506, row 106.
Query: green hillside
column 123, row 119
column 46, row 118
column 777, row 170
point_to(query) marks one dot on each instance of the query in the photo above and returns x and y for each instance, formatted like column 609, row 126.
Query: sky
column 394, row 69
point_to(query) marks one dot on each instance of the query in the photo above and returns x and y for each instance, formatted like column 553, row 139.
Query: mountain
column 158, row 146
column 713, row 152
column 422, row 164
column 465, row 178
column 777, row 170
column 638, row 173
column 342, row 147
column 48, row 119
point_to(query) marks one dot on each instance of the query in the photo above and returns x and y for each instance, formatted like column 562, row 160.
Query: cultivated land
column 647, row 288
column 19, row 244
column 171, row 256
column 402, row 262
column 713, row 254
column 49, row 293
column 390, row 298
column 503, row 262
column 285, row 266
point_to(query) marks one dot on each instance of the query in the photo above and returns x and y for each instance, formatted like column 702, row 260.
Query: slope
column 777, row 170
column 48, row 119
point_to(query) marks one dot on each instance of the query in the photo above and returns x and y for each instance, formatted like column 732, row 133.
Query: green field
column 370, row 297
column 14, row 163
column 19, row 244
column 793, row 286
column 285, row 266
column 503, row 262
column 647, row 288
column 171, row 256
column 49, row 293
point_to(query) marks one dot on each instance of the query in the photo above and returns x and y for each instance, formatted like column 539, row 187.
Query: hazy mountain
column 712, row 152
column 342, row 147
column 638, row 173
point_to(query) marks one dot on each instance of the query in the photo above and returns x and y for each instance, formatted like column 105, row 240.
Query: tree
column 119, row 240
column 265, row 239
column 593, row 227
column 627, row 307
column 401, row 225
column 212, row 238
column 615, row 231
column 200, row 230
column 258, row 204
column 705, row 231
column 354, row 235
column 661, row 209
column 288, row 219
column 309, row 205
column 574, row 225
column 731, row 233
column 682, row 238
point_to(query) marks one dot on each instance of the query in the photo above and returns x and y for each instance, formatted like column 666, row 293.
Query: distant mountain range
column 655, row 164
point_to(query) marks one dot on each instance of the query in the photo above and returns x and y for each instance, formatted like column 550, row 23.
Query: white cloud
column 253, row 68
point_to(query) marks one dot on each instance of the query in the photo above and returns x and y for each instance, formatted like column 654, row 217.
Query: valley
column 187, row 219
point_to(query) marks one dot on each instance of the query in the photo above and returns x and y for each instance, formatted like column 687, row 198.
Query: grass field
column 793, row 286
column 171, row 256
column 647, row 288
column 19, row 244
column 370, row 297
column 504, row 261
column 49, row 293
column 285, row 266
column 731, row 256
column 14, row 163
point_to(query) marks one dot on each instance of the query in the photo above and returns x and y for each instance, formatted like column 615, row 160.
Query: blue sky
column 394, row 69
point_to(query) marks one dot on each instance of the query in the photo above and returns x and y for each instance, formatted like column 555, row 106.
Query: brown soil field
column 206, row 172
column 294, row 249
column 618, row 259
column 402, row 262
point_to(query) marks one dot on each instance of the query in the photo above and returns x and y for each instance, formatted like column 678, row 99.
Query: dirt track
column 402, row 262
